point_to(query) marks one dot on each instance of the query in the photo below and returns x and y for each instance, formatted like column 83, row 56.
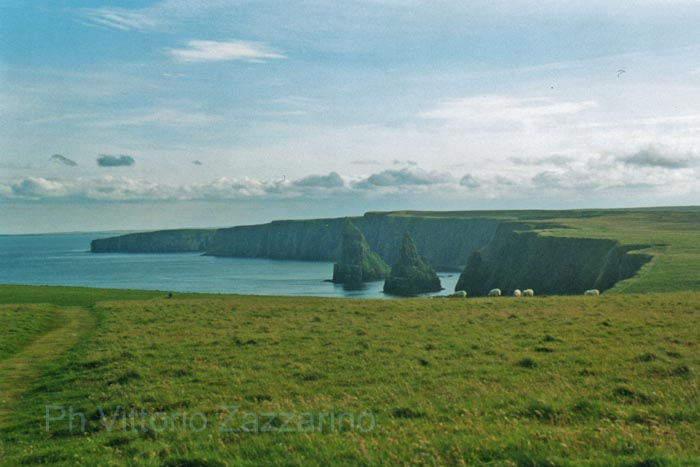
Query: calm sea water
column 64, row 259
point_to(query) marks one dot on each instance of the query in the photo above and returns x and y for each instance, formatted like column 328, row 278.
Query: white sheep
column 528, row 293
column 495, row 293
column 592, row 292
column 517, row 293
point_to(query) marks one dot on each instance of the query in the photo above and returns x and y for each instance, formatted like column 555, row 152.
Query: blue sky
column 150, row 114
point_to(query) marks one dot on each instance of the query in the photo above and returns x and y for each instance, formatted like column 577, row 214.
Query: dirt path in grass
column 23, row 368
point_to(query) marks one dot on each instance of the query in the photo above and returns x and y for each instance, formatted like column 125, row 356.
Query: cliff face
column 358, row 263
column 164, row 241
column 445, row 242
column 411, row 274
column 510, row 255
column 516, row 259
column 309, row 240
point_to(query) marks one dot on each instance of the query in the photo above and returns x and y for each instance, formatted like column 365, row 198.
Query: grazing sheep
column 458, row 294
column 592, row 292
column 528, row 293
column 517, row 293
column 495, row 293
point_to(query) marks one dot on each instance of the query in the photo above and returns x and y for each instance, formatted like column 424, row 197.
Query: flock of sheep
column 516, row 293
column 531, row 293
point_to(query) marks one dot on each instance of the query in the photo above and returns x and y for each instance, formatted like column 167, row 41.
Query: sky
column 193, row 113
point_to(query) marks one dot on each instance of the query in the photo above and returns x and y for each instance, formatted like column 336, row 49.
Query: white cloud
column 210, row 51
column 159, row 117
column 365, row 162
column 499, row 111
column 120, row 18
column 110, row 188
column 555, row 159
column 37, row 188
column 158, row 15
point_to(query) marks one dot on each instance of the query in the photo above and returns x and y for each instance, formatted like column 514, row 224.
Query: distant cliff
column 445, row 242
column 162, row 241
column 511, row 254
column 516, row 258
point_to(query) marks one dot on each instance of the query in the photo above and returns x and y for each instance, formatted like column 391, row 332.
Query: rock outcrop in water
column 358, row 263
column 411, row 275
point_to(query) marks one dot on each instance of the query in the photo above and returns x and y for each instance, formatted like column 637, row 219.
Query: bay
column 65, row 259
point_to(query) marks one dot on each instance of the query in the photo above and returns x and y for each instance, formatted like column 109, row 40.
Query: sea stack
column 358, row 263
column 412, row 274
column 475, row 278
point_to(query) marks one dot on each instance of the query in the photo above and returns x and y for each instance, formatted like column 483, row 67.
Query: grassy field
column 548, row 381
column 20, row 324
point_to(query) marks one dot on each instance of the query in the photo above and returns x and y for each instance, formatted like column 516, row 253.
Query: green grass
column 570, row 381
column 81, row 296
column 20, row 324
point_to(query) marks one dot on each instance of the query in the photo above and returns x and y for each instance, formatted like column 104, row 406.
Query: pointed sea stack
column 358, row 263
column 412, row 274
column 476, row 277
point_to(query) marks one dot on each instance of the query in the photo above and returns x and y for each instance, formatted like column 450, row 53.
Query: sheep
column 592, row 292
column 458, row 294
column 528, row 293
column 495, row 293
column 517, row 293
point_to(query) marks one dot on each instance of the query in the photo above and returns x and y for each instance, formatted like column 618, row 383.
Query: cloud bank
column 496, row 111
column 403, row 177
column 643, row 173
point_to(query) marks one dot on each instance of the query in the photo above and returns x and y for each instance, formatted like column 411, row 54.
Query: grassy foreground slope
column 570, row 381
column 20, row 324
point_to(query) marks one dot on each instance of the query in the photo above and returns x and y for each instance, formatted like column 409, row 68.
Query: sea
column 65, row 259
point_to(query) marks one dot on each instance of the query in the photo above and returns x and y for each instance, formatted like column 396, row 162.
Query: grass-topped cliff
column 567, row 251
column 161, row 241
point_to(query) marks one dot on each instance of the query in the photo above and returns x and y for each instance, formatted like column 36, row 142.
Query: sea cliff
column 514, row 248
column 161, row 241
column 445, row 242
column 517, row 258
